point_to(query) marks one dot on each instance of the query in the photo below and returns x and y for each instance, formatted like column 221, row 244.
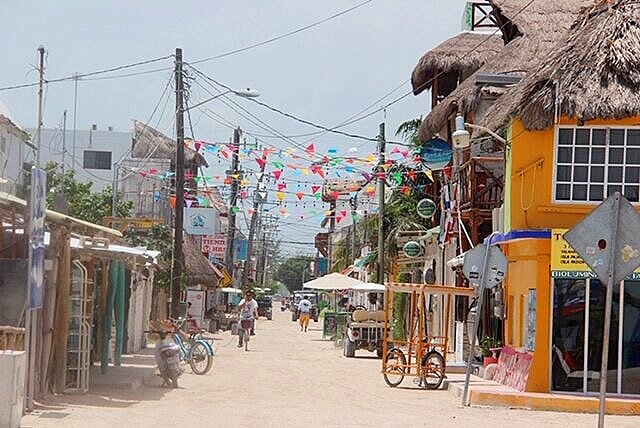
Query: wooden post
column 48, row 313
column 62, row 316
column 120, row 313
column 108, row 313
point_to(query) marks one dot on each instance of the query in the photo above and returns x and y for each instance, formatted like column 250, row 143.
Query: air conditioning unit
column 497, row 219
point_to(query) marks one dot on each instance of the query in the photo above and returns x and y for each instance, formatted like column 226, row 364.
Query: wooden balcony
column 482, row 183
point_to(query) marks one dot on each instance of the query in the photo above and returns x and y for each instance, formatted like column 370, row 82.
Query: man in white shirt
column 248, row 311
column 304, row 306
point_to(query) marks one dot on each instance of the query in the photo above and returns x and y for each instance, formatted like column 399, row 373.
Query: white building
column 92, row 156
column 13, row 148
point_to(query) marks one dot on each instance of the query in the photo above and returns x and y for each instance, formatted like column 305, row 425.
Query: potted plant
column 487, row 348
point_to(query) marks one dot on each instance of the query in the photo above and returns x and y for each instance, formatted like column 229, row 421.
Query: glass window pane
column 565, row 155
column 582, row 137
column 581, row 155
column 613, row 189
column 615, row 174
column 563, row 192
column 567, row 353
column 565, row 137
column 633, row 156
column 597, row 155
column 631, row 339
column 581, row 174
column 617, row 137
column 633, row 137
column 632, row 174
column 579, row 192
column 596, row 324
column 563, row 173
column 616, row 155
column 596, row 193
column 597, row 174
column 598, row 137
column 631, row 192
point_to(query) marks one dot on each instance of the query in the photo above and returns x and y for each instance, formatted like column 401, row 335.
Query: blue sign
column 240, row 249
column 436, row 154
column 37, row 211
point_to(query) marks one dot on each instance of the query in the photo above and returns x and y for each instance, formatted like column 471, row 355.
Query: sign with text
column 215, row 245
column 37, row 210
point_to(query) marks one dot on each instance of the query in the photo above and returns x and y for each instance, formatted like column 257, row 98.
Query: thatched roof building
column 530, row 33
column 199, row 270
column 606, row 36
column 462, row 55
column 153, row 144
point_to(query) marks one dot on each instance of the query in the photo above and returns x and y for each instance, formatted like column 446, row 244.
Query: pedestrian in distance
column 248, row 311
column 304, row 306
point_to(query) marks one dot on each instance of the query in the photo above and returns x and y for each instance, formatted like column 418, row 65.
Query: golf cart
column 264, row 306
column 365, row 327
column 312, row 296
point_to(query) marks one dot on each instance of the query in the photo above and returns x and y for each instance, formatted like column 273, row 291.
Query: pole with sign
column 608, row 240
column 494, row 267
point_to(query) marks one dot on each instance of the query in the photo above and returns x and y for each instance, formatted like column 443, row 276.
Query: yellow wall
column 528, row 205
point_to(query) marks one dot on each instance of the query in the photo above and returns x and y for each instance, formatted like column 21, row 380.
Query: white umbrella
column 231, row 290
column 368, row 286
column 333, row 281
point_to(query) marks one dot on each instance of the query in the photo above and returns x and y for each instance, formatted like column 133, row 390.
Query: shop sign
column 412, row 249
column 436, row 154
column 426, row 208
column 215, row 245
column 200, row 221
column 566, row 263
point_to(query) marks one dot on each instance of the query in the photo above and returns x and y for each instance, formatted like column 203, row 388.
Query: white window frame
column 605, row 183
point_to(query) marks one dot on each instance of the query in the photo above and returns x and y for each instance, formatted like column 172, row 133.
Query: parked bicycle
column 196, row 350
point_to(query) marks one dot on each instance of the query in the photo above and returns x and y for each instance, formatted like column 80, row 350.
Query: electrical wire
column 282, row 36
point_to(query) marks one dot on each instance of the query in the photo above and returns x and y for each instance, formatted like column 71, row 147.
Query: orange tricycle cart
column 417, row 354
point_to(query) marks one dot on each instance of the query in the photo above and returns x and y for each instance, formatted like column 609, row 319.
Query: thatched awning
column 540, row 27
column 153, row 144
column 199, row 270
column 594, row 73
column 462, row 54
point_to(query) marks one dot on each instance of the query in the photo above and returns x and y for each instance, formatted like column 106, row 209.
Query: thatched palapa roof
column 462, row 54
column 199, row 270
column 151, row 143
column 594, row 73
column 537, row 29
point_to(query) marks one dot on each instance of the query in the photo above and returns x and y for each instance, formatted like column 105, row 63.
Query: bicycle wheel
column 394, row 367
column 433, row 368
column 200, row 360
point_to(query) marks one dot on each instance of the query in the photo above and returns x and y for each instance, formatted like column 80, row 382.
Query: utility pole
column 60, row 201
column 176, row 268
column 64, row 139
column 257, row 199
column 75, row 111
column 381, row 183
column 231, row 215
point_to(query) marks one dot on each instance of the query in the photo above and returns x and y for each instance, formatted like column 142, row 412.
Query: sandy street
column 290, row 379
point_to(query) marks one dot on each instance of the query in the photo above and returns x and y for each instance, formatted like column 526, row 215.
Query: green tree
column 158, row 238
column 82, row 201
column 290, row 272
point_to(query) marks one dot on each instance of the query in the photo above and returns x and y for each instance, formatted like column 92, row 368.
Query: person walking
column 248, row 311
column 304, row 306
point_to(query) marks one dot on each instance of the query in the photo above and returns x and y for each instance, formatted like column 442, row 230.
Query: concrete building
column 13, row 149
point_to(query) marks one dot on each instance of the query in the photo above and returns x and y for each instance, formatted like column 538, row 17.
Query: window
column 589, row 170
column 96, row 160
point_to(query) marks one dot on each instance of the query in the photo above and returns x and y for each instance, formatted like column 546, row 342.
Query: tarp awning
column 368, row 286
column 333, row 281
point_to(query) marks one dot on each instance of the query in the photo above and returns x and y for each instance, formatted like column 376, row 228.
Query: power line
column 282, row 36
column 93, row 73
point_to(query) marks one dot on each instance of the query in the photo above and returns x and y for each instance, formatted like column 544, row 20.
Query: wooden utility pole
column 381, row 183
column 233, row 174
column 257, row 200
column 176, row 268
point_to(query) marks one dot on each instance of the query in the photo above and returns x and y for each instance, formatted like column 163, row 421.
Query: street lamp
column 247, row 93
column 462, row 138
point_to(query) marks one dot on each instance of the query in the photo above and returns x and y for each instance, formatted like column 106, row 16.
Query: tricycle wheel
column 433, row 368
column 394, row 367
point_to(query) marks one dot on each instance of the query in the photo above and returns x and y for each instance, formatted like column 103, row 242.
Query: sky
column 325, row 74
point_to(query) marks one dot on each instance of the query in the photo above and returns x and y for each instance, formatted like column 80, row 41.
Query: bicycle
column 196, row 350
column 245, row 326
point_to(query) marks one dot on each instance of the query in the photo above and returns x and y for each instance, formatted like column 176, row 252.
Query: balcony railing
column 482, row 183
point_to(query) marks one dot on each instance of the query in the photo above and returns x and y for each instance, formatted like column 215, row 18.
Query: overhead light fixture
column 461, row 137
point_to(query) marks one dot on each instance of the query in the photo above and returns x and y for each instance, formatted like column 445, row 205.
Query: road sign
column 593, row 239
column 496, row 265
column 426, row 208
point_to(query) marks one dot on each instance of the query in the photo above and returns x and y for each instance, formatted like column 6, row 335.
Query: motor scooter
column 167, row 357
